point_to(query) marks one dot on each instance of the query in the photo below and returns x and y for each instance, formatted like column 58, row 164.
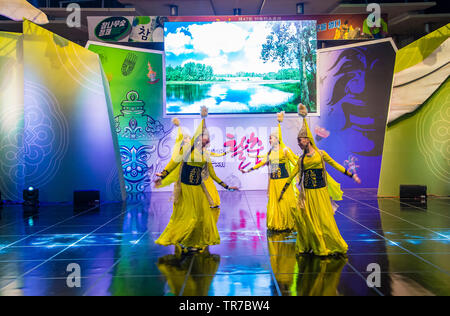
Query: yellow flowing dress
column 211, row 187
column 280, row 214
column 316, row 227
column 193, row 222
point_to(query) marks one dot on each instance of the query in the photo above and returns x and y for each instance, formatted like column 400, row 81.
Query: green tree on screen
column 190, row 72
column 294, row 45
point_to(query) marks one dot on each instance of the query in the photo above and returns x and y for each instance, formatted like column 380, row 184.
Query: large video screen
column 243, row 67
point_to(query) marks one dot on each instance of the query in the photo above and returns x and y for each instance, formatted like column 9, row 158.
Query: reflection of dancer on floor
column 316, row 227
column 279, row 160
column 281, row 246
column 192, row 224
column 303, row 275
column 176, row 267
column 318, row 276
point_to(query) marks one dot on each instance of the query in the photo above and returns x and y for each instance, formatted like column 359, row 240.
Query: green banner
column 135, row 79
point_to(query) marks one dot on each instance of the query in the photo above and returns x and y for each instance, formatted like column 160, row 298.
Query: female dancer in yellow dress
column 279, row 159
column 184, row 139
column 317, row 231
column 192, row 224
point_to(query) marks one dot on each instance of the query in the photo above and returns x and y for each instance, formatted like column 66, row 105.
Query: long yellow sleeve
column 293, row 158
column 289, row 180
column 213, row 175
column 212, row 154
column 293, row 173
column 170, row 174
column 334, row 164
column 172, row 164
column 262, row 163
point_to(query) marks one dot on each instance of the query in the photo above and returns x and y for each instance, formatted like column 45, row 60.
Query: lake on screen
column 224, row 97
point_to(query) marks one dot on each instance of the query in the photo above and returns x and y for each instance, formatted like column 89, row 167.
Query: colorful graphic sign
column 148, row 29
column 56, row 133
column 354, row 89
column 355, row 83
column 329, row 27
column 417, row 149
column 110, row 29
column 11, row 115
column 348, row 27
column 136, row 78
column 126, row 28
column 246, row 147
column 151, row 28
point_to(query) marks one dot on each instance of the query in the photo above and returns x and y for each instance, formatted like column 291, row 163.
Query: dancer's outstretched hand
column 157, row 182
column 244, row 171
column 356, row 178
column 233, row 189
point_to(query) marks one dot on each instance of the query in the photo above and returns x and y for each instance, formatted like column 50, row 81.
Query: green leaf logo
column 113, row 29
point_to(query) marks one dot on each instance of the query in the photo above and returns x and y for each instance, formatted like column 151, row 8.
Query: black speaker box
column 413, row 192
column 31, row 197
column 86, row 198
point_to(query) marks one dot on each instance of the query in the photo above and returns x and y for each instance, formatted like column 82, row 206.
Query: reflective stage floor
column 115, row 251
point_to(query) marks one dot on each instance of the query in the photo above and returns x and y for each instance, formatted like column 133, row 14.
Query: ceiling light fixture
column 173, row 10
column 300, row 8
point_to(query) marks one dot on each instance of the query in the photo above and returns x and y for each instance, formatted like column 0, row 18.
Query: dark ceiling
column 406, row 19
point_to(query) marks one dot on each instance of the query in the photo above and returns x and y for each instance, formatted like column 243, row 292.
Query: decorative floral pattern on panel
column 45, row 135
column 133, row 123
column 134, row 164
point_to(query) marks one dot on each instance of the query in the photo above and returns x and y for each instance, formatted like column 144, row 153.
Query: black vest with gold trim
column 278, row 171
column 191, row 175
column 314, row 179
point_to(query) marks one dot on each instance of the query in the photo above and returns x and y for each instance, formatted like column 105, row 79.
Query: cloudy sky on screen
column 228, row 47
